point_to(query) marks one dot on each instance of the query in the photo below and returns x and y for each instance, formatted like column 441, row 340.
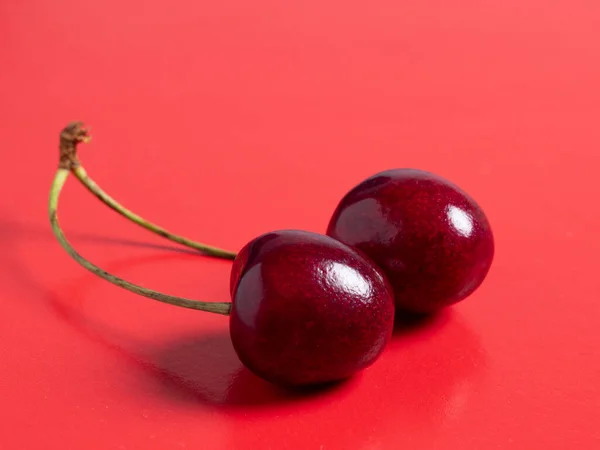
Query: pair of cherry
column 309, row 308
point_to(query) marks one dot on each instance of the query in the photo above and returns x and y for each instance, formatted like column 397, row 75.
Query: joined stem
column 67, row 162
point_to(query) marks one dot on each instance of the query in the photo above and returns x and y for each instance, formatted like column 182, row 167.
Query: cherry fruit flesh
column 307, row 309
column 430, row 238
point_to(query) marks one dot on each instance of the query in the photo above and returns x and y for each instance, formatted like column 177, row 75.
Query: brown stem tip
column 70, row 137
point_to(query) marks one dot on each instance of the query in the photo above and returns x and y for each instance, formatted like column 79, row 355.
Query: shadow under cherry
column 204, row 368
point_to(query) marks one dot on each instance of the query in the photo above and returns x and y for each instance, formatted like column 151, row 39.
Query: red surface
column 223, row 120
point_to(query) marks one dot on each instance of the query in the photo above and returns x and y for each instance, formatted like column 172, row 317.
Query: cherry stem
column 75, row 133
column 70, row 160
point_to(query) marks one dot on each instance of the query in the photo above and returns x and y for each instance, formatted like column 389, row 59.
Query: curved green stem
column 83, row 177
column 57, row 185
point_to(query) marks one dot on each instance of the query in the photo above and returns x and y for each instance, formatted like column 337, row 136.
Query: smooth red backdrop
column 225, row 119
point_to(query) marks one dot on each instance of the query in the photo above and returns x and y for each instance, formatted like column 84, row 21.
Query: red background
column 225, row 119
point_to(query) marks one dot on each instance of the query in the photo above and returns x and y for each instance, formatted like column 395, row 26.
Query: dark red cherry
column 432, row 240
column 307, row 309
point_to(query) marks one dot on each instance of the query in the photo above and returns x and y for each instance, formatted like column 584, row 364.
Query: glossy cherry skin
column 307, row 309
column 432, row 240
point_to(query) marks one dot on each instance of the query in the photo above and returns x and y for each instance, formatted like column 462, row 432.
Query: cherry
column 308, row 309
column 432, row 240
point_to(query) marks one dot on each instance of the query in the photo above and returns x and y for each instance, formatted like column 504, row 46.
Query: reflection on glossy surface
column 349, row 280
column 447, row 365
column 247, row 312
column 373, row 225
column 460, row 220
